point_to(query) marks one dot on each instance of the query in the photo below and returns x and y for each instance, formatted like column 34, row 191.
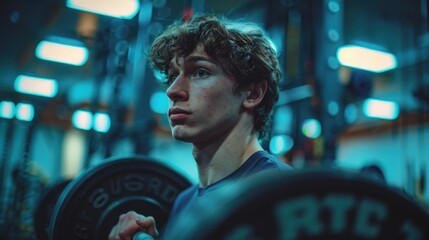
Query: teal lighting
column 159, row 102
column 333, row 108
column 280, row 144
column 273, row 45
column 365, row 58
column 351, row 113
column 124, row 9
column 101, row 122
column 7, row 109
column 24, row 112
column 44, row 87
column 85, row 120
column 62, row 50
column 282, row 119
column 159, row 76
column 375, row 108
column 82, row 119
column 311, row 128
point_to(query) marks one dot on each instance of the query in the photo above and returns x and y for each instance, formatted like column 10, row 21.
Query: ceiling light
column 125, row 9
column 380, row 109
column 365, row 58
column 7, row 109
column 24, row 112
column 85, row 120
column 82, row 119
column 101, row 122
column 44, row 87
column 62, row 50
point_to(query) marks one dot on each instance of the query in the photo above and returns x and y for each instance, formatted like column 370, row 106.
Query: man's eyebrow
column 196, row 58
column 190, row 59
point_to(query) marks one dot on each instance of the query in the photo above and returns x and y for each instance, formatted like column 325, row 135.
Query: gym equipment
column 43, row 213
column 300, row 204
column 91, row 203
column 306, row 204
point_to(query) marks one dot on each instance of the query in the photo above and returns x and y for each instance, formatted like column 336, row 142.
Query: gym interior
column 354, row 98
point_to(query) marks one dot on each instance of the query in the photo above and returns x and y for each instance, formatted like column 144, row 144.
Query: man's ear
column 254, row 94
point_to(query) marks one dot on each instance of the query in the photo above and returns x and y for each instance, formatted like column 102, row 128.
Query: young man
column 222, row 84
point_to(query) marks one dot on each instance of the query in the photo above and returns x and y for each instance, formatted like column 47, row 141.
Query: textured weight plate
column 90, row 205
column 43, row 213
column 313, row 204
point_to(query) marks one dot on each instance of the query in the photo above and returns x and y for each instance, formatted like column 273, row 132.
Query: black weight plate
column 90, row 205
column 313, row 204
column 43, row 213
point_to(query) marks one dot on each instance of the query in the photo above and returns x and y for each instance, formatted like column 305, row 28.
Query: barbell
column 299, row 204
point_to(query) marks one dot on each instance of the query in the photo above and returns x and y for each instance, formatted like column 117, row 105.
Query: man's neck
column 219, row 159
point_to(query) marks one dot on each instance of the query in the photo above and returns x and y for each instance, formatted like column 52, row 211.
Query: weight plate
column 90, row 205
column 313, row 204
column 43, row 213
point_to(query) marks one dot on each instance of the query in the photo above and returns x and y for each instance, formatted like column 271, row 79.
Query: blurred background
column 75, row 88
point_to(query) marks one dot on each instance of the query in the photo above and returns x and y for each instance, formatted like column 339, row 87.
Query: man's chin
column 182, row 138
column 180, row 135
column 186, row 134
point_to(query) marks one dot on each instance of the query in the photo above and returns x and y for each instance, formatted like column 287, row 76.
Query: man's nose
column 178, row 90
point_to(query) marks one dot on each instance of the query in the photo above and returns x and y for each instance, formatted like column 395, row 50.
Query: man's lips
column 176, row 114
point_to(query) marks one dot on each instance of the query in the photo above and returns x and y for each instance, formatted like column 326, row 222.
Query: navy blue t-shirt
column 257, row 162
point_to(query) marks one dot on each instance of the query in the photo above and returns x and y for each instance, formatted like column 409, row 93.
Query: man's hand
column 131, row 223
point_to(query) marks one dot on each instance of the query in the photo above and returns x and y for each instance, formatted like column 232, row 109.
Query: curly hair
column 242, row 49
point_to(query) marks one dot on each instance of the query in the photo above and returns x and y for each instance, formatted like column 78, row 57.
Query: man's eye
column 200, row 73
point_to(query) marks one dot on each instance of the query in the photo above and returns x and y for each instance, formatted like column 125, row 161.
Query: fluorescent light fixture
column 44, row 87
column 280, row 144
column 125, row 9
column 159, row 102
column 101, row 122
column 375, row 108
column 311, row 128
column 24, row 112
column 365, row 58
column 7, row 109
column 84, row 120
column 62, row 50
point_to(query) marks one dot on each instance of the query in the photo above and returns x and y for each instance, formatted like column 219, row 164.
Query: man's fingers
column 148, row 225
column 112, row 233
column 145, row 223
column 131, row 223
column 126, row 227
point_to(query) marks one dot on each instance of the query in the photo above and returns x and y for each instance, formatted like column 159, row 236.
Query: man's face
column 203, row 105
